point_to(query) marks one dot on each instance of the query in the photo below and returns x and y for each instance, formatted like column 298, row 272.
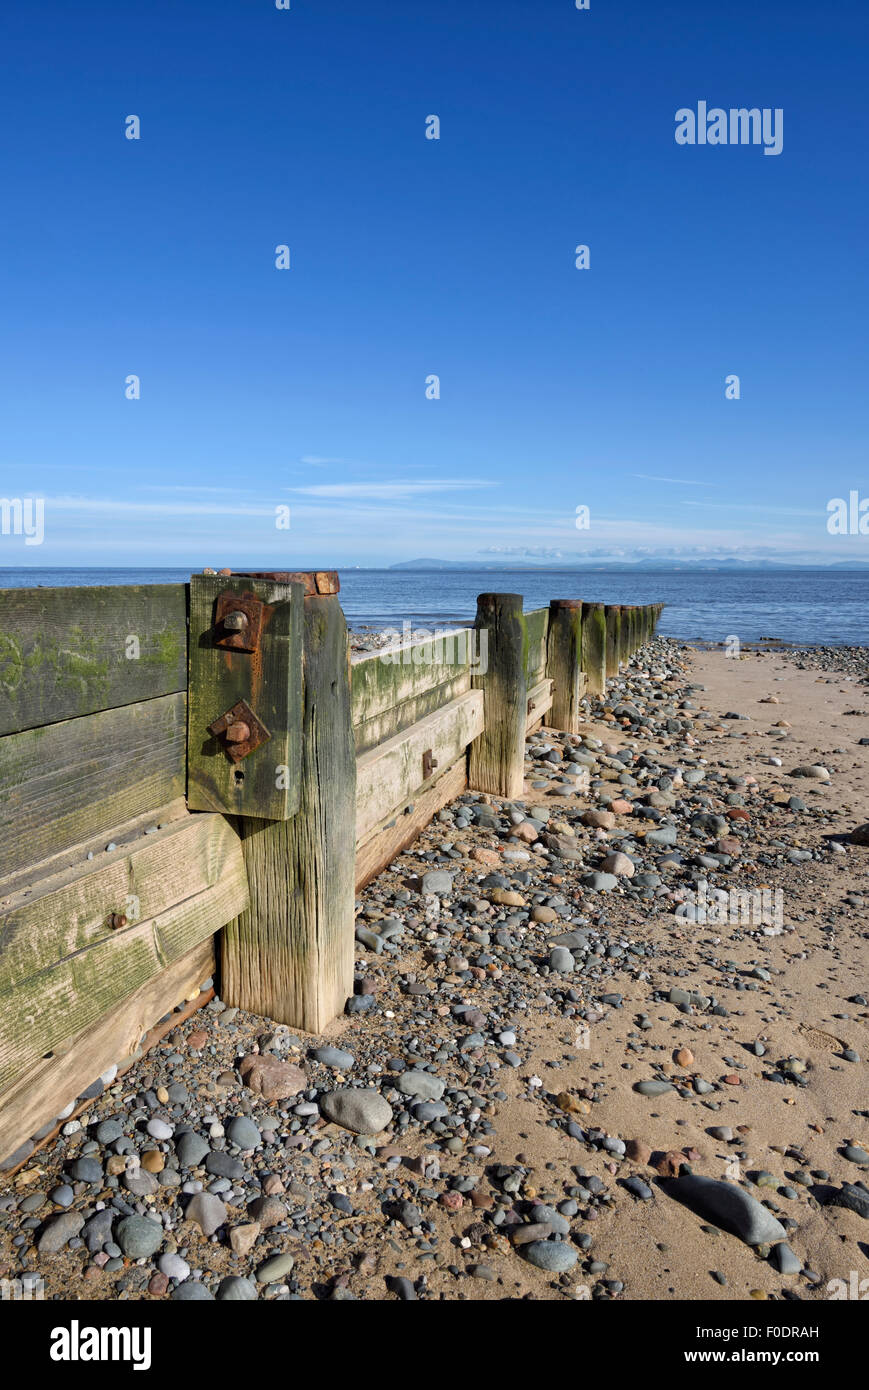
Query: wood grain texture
column 613, row 615
column 564, row 665
column 497, row 756
column 41, row 1012
column 594, row 647
column 389, row 775
column 62, row 783
column 54, row 918
column 394, row 718
column 290, row 956
column 65, row 653
column 386, row 843
column 539, row 702
column 537, row 630
column 266, row 783
column 49, row 1085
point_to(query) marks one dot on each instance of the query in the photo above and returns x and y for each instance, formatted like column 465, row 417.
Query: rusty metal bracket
column 238, row 621
column 428, row 764
column 241, row 731
column 314, row 581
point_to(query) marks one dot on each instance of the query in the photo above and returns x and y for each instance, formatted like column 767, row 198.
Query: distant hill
column 654, row 566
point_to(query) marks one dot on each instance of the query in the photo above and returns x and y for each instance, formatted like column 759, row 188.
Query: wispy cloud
column 319, row 460
column 116, row 506
column 686, row 482
column 391, row 491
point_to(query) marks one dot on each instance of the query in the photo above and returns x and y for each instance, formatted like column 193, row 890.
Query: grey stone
column 191, row 1149
column 243, row 1133
column 192, row 1292
column 782, row 1258
column 652, row 1088
column 437, row 881
column 271, row 1271
column 421, row 1084
column 555, row 1257
column 207, row 1211
column 729, row 1207
column 58, row 1230
column 334, row 1057
column 139, row 1236
column 236, row 1289
column 362, row 1111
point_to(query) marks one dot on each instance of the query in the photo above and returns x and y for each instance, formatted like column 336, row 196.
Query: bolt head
column 235, row 622
column 239, row 732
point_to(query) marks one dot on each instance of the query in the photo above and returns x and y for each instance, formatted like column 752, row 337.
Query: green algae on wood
column 68, row 652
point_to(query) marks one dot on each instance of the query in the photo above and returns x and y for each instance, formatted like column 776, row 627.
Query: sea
column 795, row 607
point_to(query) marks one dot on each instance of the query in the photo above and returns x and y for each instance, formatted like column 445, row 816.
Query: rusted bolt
column 116, row 920
column 239, row 732
column 235, row 622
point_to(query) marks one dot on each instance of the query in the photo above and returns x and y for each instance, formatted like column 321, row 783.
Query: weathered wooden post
column 594, row 647
column 497, row 757
column 564, row 664
column 290, row 954
column 613, row 637
column 629, row 627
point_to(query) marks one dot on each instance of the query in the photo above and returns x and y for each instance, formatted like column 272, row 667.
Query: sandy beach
column 521, row 969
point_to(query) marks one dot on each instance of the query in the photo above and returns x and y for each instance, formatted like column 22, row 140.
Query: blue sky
column 263, row 388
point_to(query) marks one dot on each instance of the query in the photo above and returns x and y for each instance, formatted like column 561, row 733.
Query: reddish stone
column 637, row 1151
column 198, row 1039
column 485, row 856
column 732, row 1080
column 482, row 1201
column 271, row 1078
column 667, row 1165
column 158, row 1283
column 453, row 1201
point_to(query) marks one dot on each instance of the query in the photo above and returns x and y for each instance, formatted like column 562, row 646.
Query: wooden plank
column 291, row 955
column 59, row 916
column 497, row 758
column 43, row 1011
column 400, row 676
column 62, row 783
column 401, row 716
column 388, row 776
column 382, row 846
column 265, row 783
column 65, row 653
column 539, row 701
column 536, row 630
column 49, row 1085
column 64, row 867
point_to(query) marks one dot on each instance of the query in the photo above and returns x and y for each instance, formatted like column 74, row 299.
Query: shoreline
column 508, row 1062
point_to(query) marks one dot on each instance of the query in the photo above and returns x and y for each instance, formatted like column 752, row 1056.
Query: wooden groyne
column 199, row 776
